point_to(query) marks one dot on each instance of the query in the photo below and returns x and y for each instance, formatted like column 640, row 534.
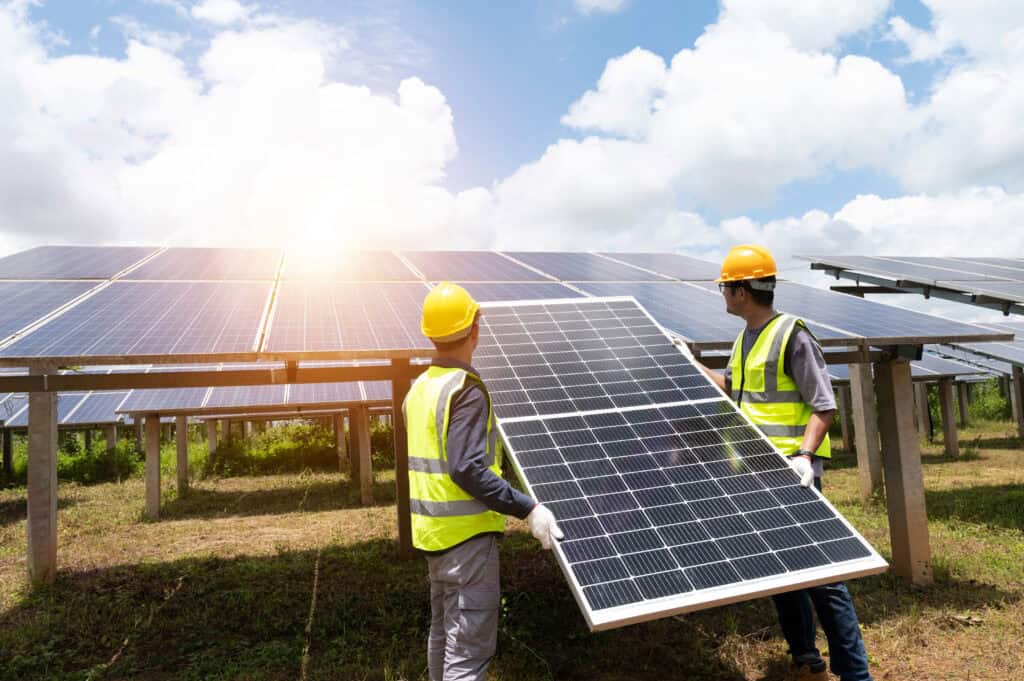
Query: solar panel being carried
column 152, row 319
column 216, row 264
column 677, row 266
column 469, row 266
column 669, row 498
column 71, row 262
column 567, row 266
column 25, row 302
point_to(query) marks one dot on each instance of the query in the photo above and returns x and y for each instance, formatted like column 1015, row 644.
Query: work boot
column 807, row 671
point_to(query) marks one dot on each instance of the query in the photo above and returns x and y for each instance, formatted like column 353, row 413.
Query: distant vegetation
column 287, row 448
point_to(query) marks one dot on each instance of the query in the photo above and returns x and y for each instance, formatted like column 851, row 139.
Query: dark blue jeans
column 832, row 602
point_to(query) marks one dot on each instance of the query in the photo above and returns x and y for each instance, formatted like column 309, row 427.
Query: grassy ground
column 223, row 588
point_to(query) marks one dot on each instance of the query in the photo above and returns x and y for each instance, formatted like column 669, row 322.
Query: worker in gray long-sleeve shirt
column 457, row 497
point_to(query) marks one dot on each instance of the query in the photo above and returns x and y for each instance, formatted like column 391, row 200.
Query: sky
column 825, row 126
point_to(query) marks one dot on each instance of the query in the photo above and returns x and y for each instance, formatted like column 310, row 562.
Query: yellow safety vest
column 443, row 514
column 766, row 394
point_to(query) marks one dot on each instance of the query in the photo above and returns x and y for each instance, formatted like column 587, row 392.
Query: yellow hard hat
column 747, row 261
column 448, row 312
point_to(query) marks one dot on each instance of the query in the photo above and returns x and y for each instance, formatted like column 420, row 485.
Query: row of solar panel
column 1000, row 278
column 228, row 264
column 132, row 319
column 95, row 408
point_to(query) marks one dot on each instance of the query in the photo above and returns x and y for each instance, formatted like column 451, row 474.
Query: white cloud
column 168, row 41
column 221, row 12
column 809, row 24
column 258, row 146
column 604, row 6
column 626, row 96
column 985, row 29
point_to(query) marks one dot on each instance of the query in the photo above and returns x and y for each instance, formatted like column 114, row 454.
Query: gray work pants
column 464, row 597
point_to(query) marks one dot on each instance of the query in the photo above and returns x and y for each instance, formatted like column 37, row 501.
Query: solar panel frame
column 516, row 430
column 1001, row 290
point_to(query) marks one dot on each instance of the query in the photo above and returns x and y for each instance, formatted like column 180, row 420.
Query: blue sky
column 510, row 70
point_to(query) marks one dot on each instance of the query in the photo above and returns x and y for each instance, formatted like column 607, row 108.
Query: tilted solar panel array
column 210, row 264
column 71, row 262
column 669, row 499
column 27, row 302
column 469, row 266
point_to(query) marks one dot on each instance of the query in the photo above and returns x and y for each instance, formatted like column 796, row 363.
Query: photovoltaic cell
column 972, row 358
column 163, row 399
column 881, row 324
column 1007, row 352
column 669, row 499
column 1002, row 290
column 518, row 291
column 928, row 368
column 71, row 262
column 25, row 302
column 377, row 391
column 97, row 408
column 246, row 396
column 347, row 266
column 313, row 393
column 469, row 266
column 151, row 318
column 673, row 265
column 582, row 267
column 66, row 402
column 219, row 264
column 697, row 314
column 903, row 269
column 312, row 316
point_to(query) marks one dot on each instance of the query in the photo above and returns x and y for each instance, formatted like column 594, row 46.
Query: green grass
column 221, row 588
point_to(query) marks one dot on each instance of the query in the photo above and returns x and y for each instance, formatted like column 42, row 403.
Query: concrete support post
column 340, row 442
column 922, row 414
column 110, row 435
column 42, row 486
column 211, row 436
column 1017, row 398
column 247, row 428
column 225, row 431
column 152, row 466
column 88, row 440
column 181, row 437
column 259, row 426
column 963, row 403
column 399, row 389
column 946, row 407
column 353, row 446
column 844, row 416
column 904, row 482
column 8, row 453
column 138, row 434
column 361, row 438
column 865, row 429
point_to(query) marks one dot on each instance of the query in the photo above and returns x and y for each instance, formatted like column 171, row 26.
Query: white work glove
column 543, row 526
column 802, row 467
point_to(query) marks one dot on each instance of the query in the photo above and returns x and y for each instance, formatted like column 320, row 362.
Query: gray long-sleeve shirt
column 467, row 447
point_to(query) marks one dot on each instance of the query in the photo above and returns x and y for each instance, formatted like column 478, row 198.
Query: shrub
column 988, row 403
column 285, row 448
column 76, row 464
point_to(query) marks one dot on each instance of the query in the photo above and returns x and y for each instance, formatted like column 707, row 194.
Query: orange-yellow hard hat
column 747, row 261
column 448, row 312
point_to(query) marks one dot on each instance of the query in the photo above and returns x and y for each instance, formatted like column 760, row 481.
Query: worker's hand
column 543, row 526
column 801, row 465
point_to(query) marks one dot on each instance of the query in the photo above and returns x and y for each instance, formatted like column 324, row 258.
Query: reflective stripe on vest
column 443, row 514
column 766, row 394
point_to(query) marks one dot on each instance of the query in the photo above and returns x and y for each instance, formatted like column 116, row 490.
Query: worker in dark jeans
column 778, row 377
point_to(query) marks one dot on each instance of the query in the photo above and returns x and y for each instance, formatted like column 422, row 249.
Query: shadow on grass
column 245, row 618
column 316, row 496
column 16, row 510
column 1000, row 505
column 994, row 442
